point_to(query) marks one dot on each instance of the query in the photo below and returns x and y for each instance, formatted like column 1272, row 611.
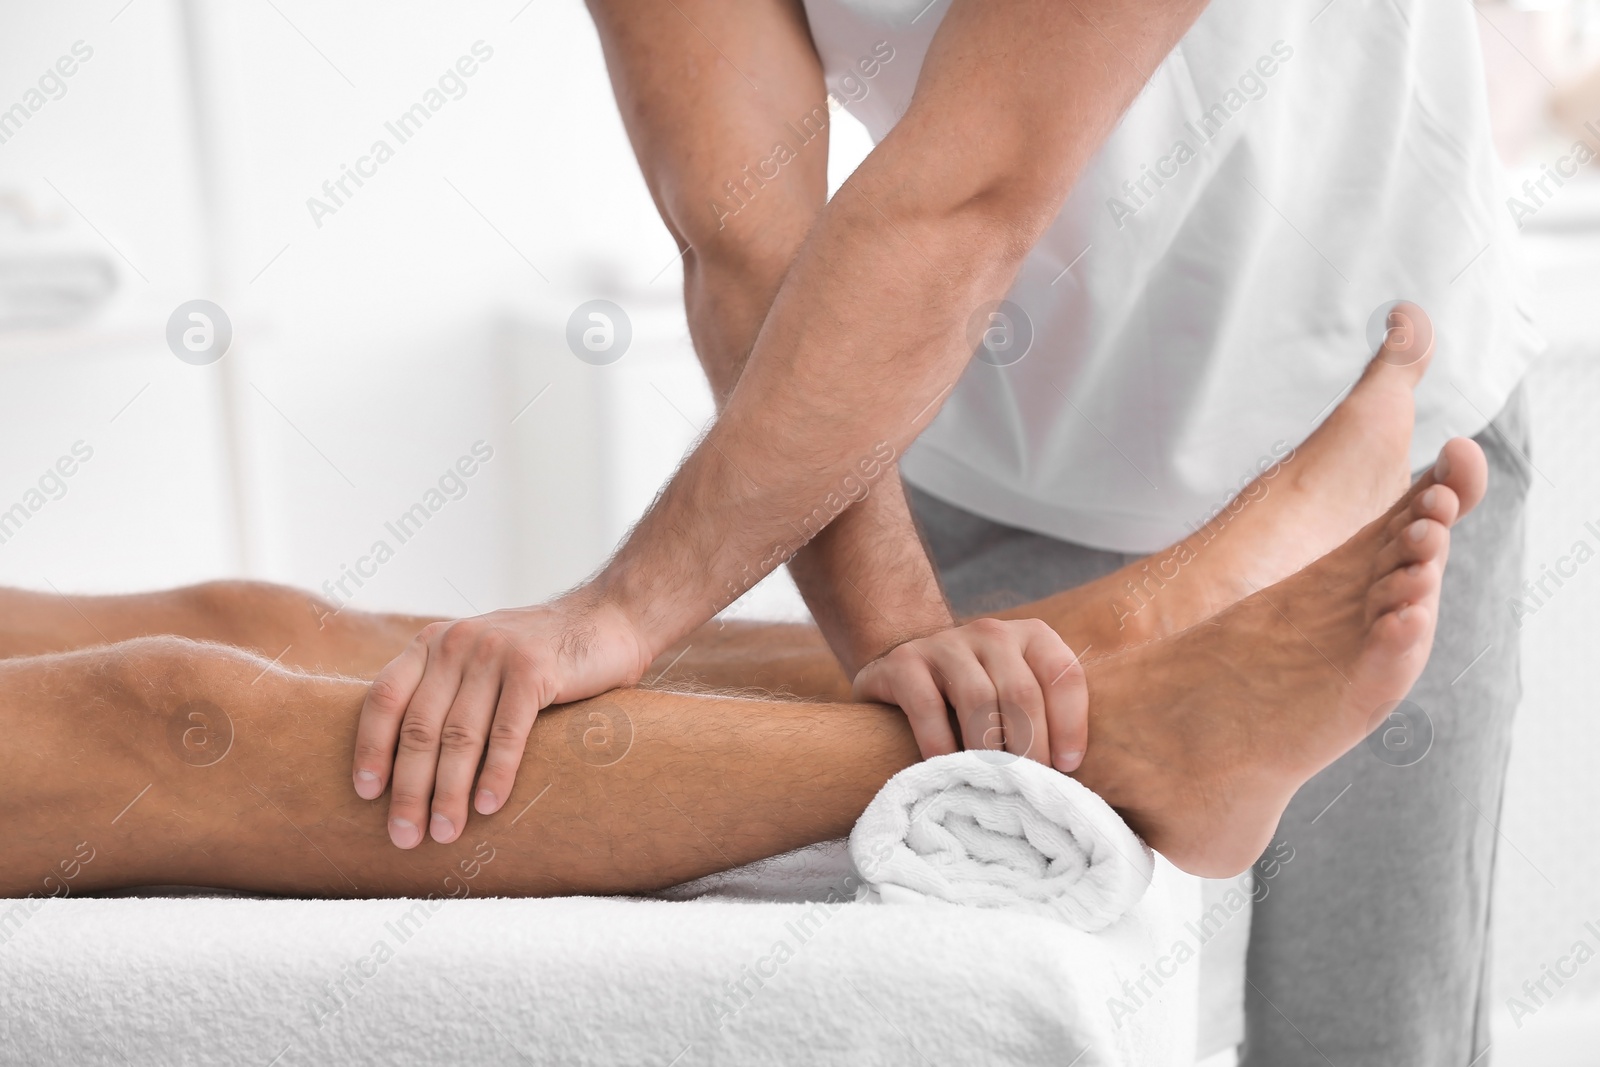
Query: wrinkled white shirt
column 1204, row 296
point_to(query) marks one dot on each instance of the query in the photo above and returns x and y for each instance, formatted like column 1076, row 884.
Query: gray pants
column 1372, row 946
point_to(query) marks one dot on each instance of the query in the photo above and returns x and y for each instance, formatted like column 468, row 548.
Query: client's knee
column 157, row 671
column 193, row 695
column 144, row 705
column 253, row 614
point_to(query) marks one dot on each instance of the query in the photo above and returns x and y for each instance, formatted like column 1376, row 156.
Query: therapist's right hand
column 462, row 687
column 1014, row 685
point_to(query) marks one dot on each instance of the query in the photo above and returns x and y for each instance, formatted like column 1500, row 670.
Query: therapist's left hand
column 460, row 686
column 1012, row 685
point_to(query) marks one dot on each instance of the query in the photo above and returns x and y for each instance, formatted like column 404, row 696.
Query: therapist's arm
column 697, row 125
column 869, row 327
column 867, row 333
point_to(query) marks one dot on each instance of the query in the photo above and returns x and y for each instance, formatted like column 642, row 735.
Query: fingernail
column 1441, row 469
column 1417, row 530
column 404, row 832
column 1428, row 497
column 487, row 802
column 367, row 785
column 442, row 829
column 1069, row 761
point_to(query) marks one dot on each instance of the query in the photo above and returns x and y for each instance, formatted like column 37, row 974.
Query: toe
column 1397, row 638
column 1407, row 344
column 1462, row 466
column 1457, row 479
column 1418, row 541
column 1416, row 583
column 1439, row 503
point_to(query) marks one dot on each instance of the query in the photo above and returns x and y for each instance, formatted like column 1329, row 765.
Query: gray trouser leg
column 1371, row 945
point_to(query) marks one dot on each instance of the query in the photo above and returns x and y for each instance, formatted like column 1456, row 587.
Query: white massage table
column 178, row 980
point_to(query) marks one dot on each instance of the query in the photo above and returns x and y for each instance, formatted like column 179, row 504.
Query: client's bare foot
column 1201, row 738
column 1305, row 502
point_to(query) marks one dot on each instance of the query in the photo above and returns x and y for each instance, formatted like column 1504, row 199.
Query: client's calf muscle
column 177, row 762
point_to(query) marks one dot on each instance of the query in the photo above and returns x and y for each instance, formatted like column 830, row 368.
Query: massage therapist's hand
column 1014, row 685
column 459, row 686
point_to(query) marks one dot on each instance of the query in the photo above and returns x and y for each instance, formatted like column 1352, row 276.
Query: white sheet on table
column 179, row 981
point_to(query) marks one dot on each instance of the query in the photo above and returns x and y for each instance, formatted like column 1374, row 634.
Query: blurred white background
column 374, row 345
column 1543, row 64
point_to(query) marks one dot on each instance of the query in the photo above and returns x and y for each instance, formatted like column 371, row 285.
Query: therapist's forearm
column 868, row 580
column 866, row 577
column 845, row 367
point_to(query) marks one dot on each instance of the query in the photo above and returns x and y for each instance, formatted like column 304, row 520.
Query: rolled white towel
column 998, row 831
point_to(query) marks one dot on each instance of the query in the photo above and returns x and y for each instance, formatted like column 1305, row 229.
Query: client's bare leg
column 206, row 765
column 196, row 764
column 287, row 626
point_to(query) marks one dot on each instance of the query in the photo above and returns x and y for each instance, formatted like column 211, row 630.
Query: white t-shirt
column 1293, row 167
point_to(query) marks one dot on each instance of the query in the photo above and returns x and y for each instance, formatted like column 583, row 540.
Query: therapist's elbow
column 754, row 244
column 996, row 196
